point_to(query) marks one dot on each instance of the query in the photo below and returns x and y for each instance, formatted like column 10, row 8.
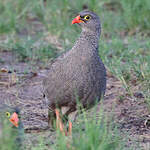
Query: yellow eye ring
column 87, row 17
column 7, row 114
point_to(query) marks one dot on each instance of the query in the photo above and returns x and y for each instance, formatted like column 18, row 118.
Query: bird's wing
column 62, row 82
column 57, row 58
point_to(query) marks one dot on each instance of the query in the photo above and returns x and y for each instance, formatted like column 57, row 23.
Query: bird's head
column 88, row 20
column 9, row 114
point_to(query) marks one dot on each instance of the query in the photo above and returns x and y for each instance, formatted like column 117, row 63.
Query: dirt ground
column 25, row 91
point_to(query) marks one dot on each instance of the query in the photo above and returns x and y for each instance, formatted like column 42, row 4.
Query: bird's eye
column 87, row 17
column 7, row 114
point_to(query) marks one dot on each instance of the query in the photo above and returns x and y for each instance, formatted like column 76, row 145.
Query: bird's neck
column 91, row 37
column 87, row 43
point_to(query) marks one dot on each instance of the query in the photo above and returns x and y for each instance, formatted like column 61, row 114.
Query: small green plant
column 91, row 133
column 25, row 50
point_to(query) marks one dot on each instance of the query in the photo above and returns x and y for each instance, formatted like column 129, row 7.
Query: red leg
column 70, row 128
column 59, row 124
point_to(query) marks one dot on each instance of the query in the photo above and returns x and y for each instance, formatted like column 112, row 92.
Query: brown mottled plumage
column 79, row 73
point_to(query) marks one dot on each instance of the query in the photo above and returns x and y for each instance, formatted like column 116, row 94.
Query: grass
column 88, row 134
column 95, row 134
column 128, row 59
column 124, row 45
